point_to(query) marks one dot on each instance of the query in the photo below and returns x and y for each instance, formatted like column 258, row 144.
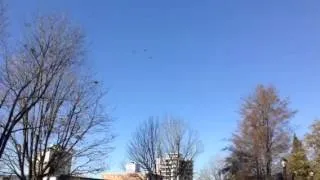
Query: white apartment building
column 172, row 167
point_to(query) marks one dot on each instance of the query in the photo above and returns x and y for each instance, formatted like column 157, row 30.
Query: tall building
column 173, row 166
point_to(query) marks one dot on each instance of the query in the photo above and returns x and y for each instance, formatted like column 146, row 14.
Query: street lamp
column 284, row 168
column 311, row 174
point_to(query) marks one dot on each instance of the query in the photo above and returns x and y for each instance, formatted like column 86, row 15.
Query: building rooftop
column 124, row 176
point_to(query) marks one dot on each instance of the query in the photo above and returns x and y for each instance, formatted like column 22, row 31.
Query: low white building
column 60, row 161
column 132, row 167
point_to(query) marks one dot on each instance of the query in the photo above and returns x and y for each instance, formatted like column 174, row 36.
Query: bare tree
column 312, row 140
column 213, row 170
column 263, row 134
column 180, row 143
column 172, row 138
column 59, row 110
column 51, row 49
column 144, row 148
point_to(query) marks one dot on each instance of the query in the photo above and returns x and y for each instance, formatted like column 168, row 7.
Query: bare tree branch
column 52, row 107
column 153, row 141
column 144, row 147
column 213, row 170
column 26, row 76
column 179, row 139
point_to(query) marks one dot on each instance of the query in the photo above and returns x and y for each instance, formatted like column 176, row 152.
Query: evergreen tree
column 298, row 161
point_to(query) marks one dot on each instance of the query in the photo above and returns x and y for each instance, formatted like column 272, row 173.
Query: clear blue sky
column 206, row 55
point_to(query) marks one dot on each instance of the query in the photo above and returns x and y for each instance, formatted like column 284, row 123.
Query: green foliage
column 298, row 162
column 296, row 145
